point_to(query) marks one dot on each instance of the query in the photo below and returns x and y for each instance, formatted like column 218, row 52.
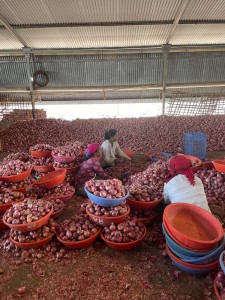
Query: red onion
column 24, row 156
column 43, row 161
column 16, row 185
column 107, row 211
column 65, row 151
column 14, row 167
column 65, row 165
column 41, row 147
column 145, row 194
column 8, row 196
column 139, row 213
column 110, row 188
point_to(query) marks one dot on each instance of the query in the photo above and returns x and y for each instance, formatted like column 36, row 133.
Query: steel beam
column 166, row 50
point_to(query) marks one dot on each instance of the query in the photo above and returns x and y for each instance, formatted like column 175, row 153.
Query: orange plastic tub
column 16, row 178
column 4, row 207
column 80, row 244
column 51, row 179
column 64, row 159
column 219, row 165
column 39, row 154
column 107, row 221
column 190, row 225
column 185, row 246
column 44, row 169
column 124, row 246
column 32, row 245
column 193, row 158
column 141, row 204
column 29, row 226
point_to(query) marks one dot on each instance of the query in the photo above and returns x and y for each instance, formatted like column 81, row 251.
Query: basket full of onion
column 27, row 215
column 77, row 232
column 124, row 236
column 7, row 198
column 110, row 192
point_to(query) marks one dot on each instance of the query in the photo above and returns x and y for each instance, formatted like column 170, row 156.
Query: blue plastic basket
column 106, row 201
column 194, row 143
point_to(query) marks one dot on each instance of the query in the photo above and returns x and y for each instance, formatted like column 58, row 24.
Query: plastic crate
column 194, row 143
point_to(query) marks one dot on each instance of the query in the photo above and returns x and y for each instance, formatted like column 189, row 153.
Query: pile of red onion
column 8, row 196
column 146, row 194
column 113, row 211
column 43, row 161
column 214, row 185
column 24, row 156
column 41, row 147
column 76, row 229
column 14, row 167
column 76, row 145
column 65, row 165
column 128, row 231
column 66, row 151
column 56, row 203
column 29, row 210
column 34, row 235
column 154, row 177
column 70, row 177
column 16, row 185
column 110, row 188
column 63, row 189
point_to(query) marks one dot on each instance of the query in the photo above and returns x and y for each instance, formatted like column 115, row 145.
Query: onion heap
column 17, row 185
column 41, row 147
column 24, row 156
column 14, row 167
column 76, row 229
column 65, row 165
column 113, row 211
column 8, row 196
column 43, row 161
column 34, row 235
column 110, row 188
column 154, row 177
column 63, row 189
column 56, row 203
column 29, row 210
column 214, row 185
column 78, row 146
column 124, row 232
column 65, row 151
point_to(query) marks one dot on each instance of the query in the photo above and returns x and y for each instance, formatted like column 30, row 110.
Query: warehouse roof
column 66, row 24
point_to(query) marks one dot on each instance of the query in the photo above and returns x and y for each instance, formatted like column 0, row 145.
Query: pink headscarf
column 180, row 165
column 93, row 148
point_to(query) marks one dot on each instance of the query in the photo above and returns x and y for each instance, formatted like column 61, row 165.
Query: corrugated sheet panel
column 8, row 41
column 87, row 11
column 100, row 70
column 196, row 67
column 96, row 37
column 199, row 34
column 13, row 75
column 205, row 10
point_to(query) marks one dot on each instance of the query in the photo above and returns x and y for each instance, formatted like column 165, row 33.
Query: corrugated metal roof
column 205, row 10
column 86, row 11
column 8, row 41
column 199, row 34
column 198, row 67
column 94, row 37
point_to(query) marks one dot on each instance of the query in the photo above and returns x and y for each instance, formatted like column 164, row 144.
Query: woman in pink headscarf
column 182, row 185
column 90, row 168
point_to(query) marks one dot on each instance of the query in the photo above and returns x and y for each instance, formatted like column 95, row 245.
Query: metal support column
column 166, row 50
column 27, row 53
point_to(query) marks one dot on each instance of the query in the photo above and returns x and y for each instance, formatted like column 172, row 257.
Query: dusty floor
column 98, row 272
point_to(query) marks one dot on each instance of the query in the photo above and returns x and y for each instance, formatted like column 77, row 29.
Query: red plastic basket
column 39, row 154
column 141, row 204
column 80, row 244
column 64, row 159
column 16, row 178
column 107, row 221
column 44, row 169
column 29, row 226
column 32, row 245
column 51, row 179
column 25, row 189
column 124, row 246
